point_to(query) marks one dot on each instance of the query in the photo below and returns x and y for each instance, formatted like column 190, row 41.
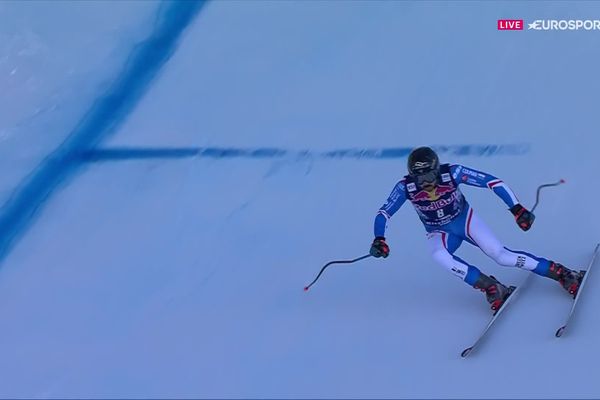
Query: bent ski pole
column 537, row 195
column 335, row 262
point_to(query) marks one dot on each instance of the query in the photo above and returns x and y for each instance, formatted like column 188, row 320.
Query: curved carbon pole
column 537, row 195
column 335, row 262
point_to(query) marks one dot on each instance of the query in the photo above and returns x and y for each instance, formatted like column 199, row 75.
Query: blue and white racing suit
column 449, row 220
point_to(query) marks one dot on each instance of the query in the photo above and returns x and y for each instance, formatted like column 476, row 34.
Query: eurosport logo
column 549, row 25
column 565, row 25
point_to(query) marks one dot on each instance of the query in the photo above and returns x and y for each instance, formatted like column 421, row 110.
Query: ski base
column 512, row 292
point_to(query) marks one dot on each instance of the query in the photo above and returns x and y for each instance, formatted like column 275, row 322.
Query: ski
column 511, row 297
column 561, row 330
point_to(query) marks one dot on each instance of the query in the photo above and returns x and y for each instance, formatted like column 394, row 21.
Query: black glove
column 523, row 217
column 379, row 248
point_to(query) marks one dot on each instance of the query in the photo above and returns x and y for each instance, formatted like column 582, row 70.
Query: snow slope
column 55, row 57
column 179, row 273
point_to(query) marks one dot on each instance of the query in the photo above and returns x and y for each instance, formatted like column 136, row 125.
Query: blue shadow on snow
column 133, row 153
column 104, row 117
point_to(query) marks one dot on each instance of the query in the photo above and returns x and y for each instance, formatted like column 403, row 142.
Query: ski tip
column 560, row 331
column 306, row 288
column 563, row 181
column 466, row 352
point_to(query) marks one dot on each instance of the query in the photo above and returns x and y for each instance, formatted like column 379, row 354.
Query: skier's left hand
column 523, row 216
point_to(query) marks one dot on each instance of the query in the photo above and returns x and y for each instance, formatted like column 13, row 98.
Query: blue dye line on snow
column 105, row 116
column 121, row 154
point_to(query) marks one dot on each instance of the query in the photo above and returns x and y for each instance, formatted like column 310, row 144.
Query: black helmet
column 424, row 165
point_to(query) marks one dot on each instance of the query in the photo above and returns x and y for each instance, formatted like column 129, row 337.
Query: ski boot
column 570, row 280
column 495, row 292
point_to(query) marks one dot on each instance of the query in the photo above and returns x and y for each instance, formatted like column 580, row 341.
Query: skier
column 449, row 220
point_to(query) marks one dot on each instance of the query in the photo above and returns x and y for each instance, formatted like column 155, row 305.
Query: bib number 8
column 440, row 213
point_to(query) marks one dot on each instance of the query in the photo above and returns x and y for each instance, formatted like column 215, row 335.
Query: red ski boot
column 570, row 280
column 495, row 292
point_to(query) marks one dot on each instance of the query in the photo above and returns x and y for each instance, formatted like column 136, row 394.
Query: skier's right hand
column 379, row 248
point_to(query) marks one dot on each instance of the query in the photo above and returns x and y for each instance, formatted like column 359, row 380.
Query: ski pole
column 537, row 195
column 335, row 262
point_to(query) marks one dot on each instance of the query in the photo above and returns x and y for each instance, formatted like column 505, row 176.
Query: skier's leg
column 438, row 242
column 442, row 245
column 478, row 232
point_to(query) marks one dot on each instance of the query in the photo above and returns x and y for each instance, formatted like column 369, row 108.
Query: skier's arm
column 379, row 248
column 393, row 204
column 471, row 177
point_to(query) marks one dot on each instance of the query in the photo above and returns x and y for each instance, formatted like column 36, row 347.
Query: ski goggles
column 427, row 177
